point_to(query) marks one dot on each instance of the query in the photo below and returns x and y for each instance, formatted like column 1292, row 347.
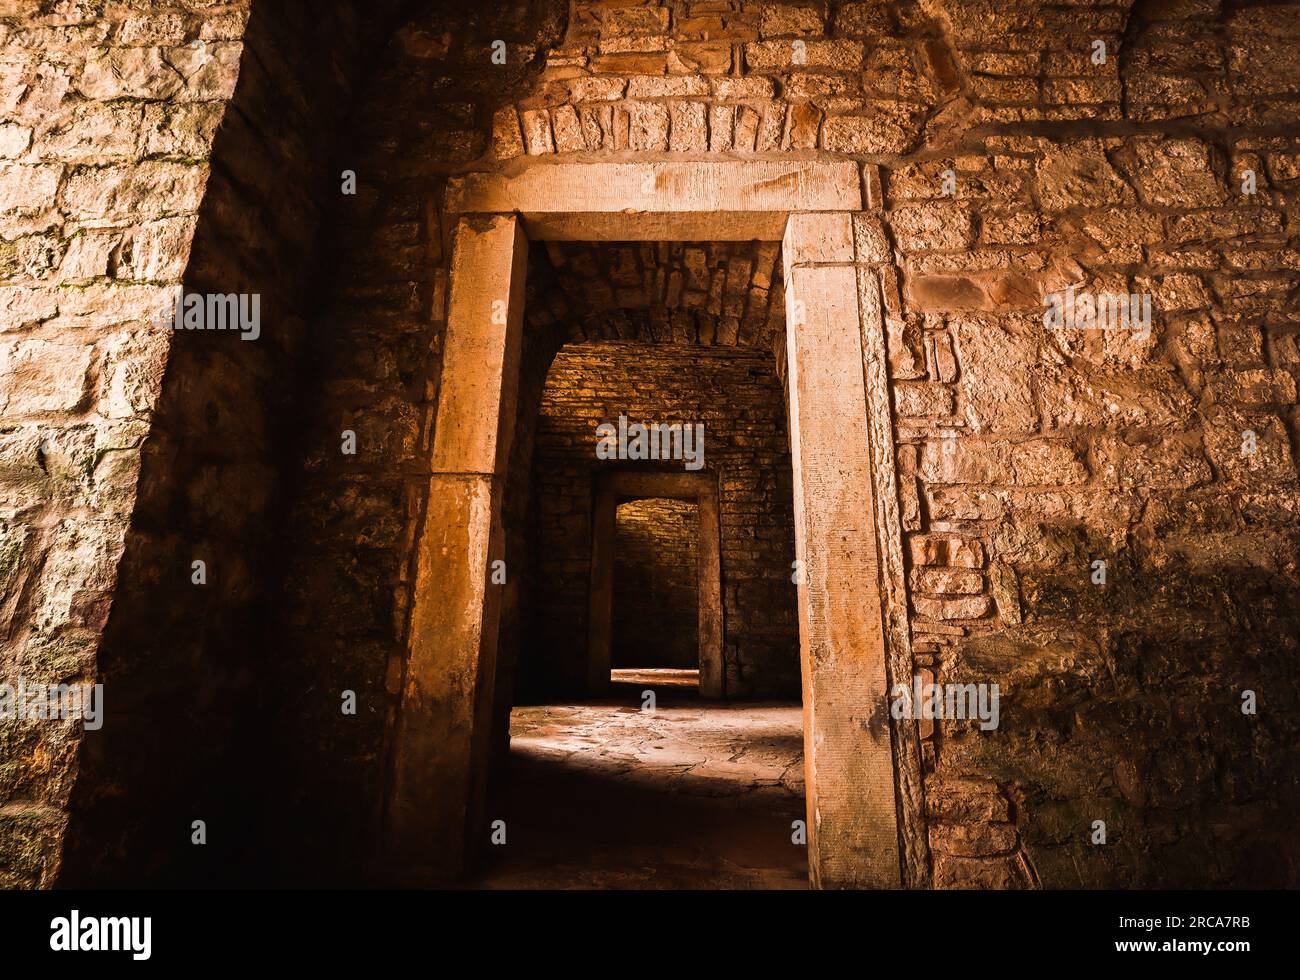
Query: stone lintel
column 715, row 200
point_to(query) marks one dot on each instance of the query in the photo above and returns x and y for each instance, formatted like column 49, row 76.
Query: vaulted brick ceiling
column 726, row 294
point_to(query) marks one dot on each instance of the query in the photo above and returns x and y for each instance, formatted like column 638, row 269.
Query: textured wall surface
column 728, row 294
column 148, row 147
column 1027, row 454
column 1001, row 162
column 107, row 119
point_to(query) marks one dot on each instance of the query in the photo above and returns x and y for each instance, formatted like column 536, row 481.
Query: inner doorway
column 686, row 532
column 655, row 636
column 674, row 758
column 865, row 824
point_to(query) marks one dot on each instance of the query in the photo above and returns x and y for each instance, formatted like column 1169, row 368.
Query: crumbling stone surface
column 1001, row 163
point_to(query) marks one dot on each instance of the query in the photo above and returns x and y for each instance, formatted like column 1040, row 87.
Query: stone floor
column 692, row 795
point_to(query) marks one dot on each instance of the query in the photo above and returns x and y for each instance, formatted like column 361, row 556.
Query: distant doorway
column 655, row 626
column 667, row 524
column 849, row 569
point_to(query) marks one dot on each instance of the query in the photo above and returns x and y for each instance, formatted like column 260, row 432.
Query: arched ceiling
column 726, row 294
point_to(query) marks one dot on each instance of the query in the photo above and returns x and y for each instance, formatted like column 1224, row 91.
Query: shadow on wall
column 183, row 661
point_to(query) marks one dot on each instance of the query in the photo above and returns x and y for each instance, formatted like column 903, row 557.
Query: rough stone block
column 38, row 376
column 476, row 408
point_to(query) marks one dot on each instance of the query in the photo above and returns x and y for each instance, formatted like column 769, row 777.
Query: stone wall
column 1004, row 160
column 656, row 585
column 1025, row 454
column 725, row 294
column 188, row 659
column 348, row 537
column 736, row 396
column 150, row 147
column 107, row 120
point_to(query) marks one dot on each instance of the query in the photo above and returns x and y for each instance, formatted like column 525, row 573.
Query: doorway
column 861, row 772
column 627, row 567
column 678, row 495
column 655, row 636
